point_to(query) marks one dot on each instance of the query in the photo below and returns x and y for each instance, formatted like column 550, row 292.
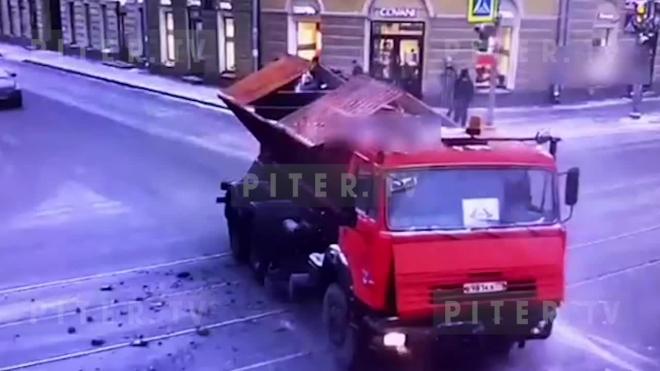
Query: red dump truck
column 408, row 228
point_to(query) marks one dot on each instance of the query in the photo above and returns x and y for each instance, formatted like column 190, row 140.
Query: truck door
column 357, row 242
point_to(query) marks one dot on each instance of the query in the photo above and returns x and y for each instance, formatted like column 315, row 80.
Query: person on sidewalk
column 463, row 95
column 448, row 79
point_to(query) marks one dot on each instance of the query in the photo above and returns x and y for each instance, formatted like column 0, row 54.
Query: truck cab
column 466, row 239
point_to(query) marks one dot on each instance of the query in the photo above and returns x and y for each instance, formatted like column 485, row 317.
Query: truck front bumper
column 535, row 322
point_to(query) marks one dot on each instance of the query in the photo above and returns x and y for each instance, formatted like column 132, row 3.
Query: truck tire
column 498, row 347
column 258, row 266
column 343, row 337
column 237, row 240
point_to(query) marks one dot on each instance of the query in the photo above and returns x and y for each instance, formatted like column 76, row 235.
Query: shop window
column 170, row 54
column 308, row 39
column 230, row 45
column 502, row 46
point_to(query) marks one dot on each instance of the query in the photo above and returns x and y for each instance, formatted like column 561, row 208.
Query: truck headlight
column 394, row 340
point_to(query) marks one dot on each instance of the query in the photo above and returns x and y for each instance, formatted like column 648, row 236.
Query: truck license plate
column 484, row 287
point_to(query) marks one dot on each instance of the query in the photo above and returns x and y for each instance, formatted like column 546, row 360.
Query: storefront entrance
column 396, row 54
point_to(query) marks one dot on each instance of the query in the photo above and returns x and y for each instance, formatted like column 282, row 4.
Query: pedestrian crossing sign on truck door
column 483, row 11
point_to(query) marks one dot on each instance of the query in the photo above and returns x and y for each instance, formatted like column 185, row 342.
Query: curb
column 125, row 84
column 479, row 110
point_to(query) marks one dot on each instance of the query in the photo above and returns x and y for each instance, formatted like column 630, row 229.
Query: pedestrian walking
column 448, row 79
column 357, row 69
column 463, row 94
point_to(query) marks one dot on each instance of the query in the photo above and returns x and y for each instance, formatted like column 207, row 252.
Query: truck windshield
column 449, row 199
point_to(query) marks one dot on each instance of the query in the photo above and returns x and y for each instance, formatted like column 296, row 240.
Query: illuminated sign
column 607, row 17
column 397, row 12
column 304, row 10
column 224, row 5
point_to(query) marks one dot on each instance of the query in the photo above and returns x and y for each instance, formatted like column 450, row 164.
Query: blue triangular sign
column 482, row 7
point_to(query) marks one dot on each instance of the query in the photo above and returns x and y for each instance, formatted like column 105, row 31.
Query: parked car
column 10, row 93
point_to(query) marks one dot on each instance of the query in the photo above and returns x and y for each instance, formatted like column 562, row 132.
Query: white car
column 10, row 93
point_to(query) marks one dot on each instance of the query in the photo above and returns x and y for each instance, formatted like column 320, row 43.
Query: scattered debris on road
column 183, row 275
column 97, row 342
column 89, row 319
column 202, row 331
column 156, row 305
column 139, row 342
column 285, row 325
column 71, row 330
column 78, row 310
column 106, row 288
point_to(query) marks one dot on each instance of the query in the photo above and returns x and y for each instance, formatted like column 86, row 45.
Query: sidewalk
column 134, row 78
column 579, row 120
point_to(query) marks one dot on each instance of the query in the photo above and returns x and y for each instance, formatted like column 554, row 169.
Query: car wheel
column 342, row 336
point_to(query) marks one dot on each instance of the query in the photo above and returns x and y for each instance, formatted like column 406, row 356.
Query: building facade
column 91, row 28
column 580, row 45
column 105, row 29
column 409, row 41
column 208, row 40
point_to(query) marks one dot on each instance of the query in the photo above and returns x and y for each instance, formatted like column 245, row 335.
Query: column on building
column 244, row 58
column 5, row 19
column 273, row 29
column 135, row 29
column 345, row 34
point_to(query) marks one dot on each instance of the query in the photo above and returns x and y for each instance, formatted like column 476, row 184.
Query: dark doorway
column 54, row 41
column 72, row 24
column 21, row 9
column 121, row 34
column 143, row 33
column 397, row 50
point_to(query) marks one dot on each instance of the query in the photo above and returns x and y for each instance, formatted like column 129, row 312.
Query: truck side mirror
column 348, row 217
column 572, row 186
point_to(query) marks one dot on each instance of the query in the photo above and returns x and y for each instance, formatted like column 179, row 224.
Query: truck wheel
column 257, row 264
column 498, row 347
column 343, row 337
column 237, row 244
